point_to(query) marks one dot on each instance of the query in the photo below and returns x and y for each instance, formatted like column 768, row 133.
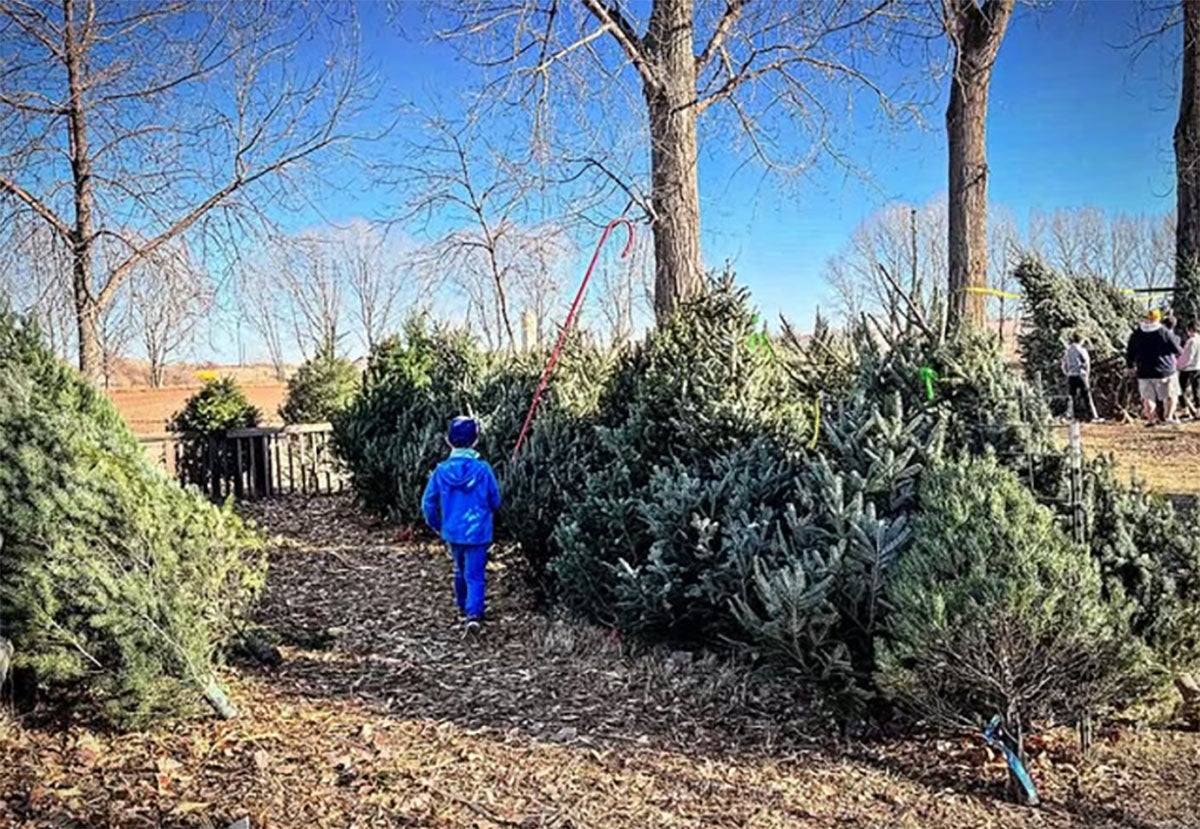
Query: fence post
column 1075, row 456
column 1079, row 532
column 213, row 470
column 291, row 466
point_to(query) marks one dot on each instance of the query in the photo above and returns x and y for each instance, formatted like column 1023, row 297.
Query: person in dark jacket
column 1150, row 356
column 460, row 498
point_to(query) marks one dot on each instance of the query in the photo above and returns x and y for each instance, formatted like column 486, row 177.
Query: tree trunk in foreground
column 675, row 189
column 1187, row 170
column 976, row 32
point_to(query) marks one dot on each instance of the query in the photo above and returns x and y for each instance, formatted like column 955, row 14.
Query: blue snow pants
column 470, row 562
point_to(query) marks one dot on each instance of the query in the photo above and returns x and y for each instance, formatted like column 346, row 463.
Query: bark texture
column 1187, row 170
column 975, row 32
column 87, row 311
column 670, row 99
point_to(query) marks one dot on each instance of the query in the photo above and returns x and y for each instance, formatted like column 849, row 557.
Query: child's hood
column 462, row 469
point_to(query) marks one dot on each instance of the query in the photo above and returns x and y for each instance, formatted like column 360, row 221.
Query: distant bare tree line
column 1129, row 251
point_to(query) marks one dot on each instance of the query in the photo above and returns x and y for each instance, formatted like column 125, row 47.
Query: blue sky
column 1073, row 121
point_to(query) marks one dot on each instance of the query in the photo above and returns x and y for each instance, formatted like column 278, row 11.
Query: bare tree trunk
column 87, row 317
column 976, row 32
column 86, row 307
column 675, row 186
column 157, row 367
column 87, row 82
column 1187, row 170
column 503, row 322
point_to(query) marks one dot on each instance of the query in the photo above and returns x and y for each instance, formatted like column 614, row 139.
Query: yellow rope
column 976, row 289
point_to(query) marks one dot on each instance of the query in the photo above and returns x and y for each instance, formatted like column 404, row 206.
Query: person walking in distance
column 1189, row 372
column 1150, row 357
column 1077, row 367
column 459, row 501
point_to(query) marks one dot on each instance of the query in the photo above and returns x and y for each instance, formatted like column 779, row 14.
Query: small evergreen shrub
column 118, row 588
column 219, row 405
column 994, row 610
column 320, row 389
column 392, row 434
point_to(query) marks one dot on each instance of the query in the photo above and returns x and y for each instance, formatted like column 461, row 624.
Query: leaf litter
column 382, row 715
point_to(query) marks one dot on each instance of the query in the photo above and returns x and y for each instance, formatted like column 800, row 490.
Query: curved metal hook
column 537, row 396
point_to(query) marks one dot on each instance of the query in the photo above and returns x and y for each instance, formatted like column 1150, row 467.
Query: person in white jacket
column 1189, row 373
column 1077, row 367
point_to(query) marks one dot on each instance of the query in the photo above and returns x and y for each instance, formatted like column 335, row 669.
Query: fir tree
column 993, row 610
column 116, row 586
column 320, row 389
column 1057, row 305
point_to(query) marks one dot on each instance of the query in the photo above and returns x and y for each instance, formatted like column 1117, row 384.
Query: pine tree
column 994, row 610
column 116, row 586
column 320, row 389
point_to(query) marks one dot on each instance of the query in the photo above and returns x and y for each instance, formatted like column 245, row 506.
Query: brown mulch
column 381, row 715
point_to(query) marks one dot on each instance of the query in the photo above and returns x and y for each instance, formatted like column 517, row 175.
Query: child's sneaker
column 472, row 629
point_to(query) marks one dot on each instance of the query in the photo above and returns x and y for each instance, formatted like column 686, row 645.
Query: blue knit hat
column 463, row 432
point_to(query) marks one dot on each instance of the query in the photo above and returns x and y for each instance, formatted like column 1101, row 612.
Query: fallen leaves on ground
column 382, row 715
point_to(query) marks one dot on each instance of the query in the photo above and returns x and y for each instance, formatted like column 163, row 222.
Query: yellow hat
column 1154, row 315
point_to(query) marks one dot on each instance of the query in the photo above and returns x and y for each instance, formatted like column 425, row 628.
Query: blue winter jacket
column 460, row 498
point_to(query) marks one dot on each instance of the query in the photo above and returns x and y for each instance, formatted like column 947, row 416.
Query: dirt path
column 381, row 715
column 1167, row 458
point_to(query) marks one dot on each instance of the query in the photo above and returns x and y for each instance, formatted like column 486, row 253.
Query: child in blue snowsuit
column 458, row 504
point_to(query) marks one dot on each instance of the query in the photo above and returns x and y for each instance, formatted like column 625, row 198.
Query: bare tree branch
column 628, row 38
column 733, row 8
column 136, row 130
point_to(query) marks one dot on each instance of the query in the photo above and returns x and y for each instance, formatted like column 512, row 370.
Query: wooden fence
column 252, row 463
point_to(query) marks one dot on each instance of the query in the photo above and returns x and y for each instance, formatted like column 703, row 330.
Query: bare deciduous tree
column 1187, row 168
column 35, row 279
column 376, row 278
column 310, row 292
column 169, row 295
column 975, row 31
column 766, row 67
column 1153, row 261
column 146, row 123
column 262, row 303
column 625, row 291
column 1128, row 251
column 486, row 241
column 907, row 241
column 314, row 285
column 115, row 331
